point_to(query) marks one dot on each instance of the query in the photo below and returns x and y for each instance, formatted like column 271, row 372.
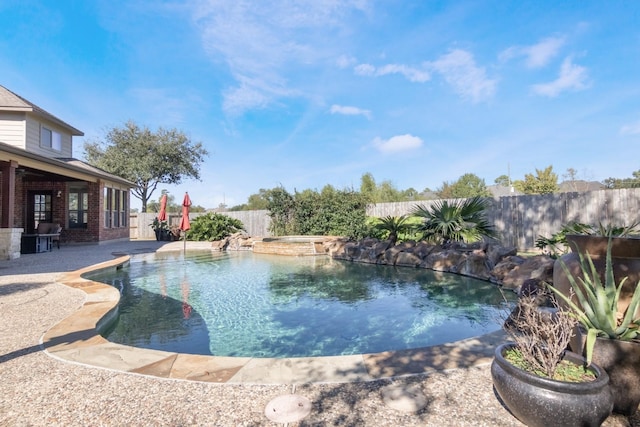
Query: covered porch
column 89, row 204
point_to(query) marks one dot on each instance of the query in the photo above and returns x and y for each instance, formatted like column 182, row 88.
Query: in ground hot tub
column 291, row 245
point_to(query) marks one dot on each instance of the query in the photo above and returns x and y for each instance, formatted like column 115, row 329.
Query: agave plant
column 461, row 221
column 598, row 308
column 394, row 225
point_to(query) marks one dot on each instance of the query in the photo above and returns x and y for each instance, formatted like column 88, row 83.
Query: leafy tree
column 146, row 158
column 411, row 194
column 544, row 182
column 281, row 209
column 385, row 191
column 460, row 221
column 503, row 180
column 368, row 187
column 468, row 185
column 625, row 182
column 255, row 202
column 213, row 226
column 571, row 177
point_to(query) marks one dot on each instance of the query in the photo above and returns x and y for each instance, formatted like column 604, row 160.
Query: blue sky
column 308, row 93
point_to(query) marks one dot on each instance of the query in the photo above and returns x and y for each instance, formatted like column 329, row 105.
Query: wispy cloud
column 349, row 111
column 261, row 42
column 537, row 55
column 572, row 77
column 410, row 73
column 345, row 61
column 397, row 143
column 458, row 68
column 630, row 129
column 468, row 80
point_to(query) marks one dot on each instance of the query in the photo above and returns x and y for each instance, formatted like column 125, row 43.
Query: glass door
column 38, row 210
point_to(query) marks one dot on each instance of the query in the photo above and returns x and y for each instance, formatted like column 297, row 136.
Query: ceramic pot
column 538, row 401
column 621, row 361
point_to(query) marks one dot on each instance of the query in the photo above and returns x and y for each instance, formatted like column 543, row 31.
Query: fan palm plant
column 394, row 225
column 460, row 221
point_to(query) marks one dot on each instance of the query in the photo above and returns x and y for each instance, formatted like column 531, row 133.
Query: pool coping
column 77, row 339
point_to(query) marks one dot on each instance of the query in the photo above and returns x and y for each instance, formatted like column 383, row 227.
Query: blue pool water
column 245, row 304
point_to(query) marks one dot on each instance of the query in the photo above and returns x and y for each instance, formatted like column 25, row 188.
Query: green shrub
column 213, row 226
column 457, row 221
column 392, row 228
column 329, row 212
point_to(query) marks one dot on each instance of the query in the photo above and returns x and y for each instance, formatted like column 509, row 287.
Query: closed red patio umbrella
column 162, row 216
column 184, row 221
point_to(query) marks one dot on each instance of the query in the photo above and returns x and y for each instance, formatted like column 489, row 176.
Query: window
column 107, row 205
column 78, row 208
column 50, row 139
column 124, row 211
column 115, row 208
column 41, row 208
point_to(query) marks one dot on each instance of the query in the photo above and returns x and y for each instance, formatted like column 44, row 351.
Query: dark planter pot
column 163, row 235
column 625, row 259
column 543, row 402
column 621, row 361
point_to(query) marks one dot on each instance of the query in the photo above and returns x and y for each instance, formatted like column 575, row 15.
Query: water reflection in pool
column 244, row 304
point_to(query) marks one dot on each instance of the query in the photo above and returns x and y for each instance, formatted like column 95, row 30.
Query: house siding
column 12, row 128
column 33, row 138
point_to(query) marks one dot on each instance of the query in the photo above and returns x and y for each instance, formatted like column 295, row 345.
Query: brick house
column 40, row 182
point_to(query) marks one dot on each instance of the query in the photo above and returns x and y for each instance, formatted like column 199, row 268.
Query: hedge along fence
column 518, row 220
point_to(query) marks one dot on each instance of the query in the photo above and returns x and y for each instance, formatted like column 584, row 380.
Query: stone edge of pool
column 77, row 339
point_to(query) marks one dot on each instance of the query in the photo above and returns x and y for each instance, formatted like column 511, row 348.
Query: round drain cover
column 288, row 408
column 404, row 398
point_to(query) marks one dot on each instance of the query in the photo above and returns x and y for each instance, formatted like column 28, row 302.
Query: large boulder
column 220, row 245
column 423, row 249
column 446, row 260
column 499, row 272
column 538, row 267
column 335, row 247
column 496, row 253
column 352, row 250
column 408, row 259
column 475, row 265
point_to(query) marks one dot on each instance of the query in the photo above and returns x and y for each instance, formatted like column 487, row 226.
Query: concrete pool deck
column 90, row 381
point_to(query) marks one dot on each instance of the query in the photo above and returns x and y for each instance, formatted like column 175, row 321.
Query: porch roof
column 66, row 167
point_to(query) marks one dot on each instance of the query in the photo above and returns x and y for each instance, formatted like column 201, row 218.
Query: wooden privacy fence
column 255, row 222
column 518, row 220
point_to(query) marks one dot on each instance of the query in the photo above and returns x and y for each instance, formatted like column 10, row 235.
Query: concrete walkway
column 38, row 389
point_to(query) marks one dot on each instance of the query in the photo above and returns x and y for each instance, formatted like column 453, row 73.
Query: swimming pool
column 251, row 305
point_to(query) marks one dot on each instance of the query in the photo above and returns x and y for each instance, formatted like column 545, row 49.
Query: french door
column 39, row 209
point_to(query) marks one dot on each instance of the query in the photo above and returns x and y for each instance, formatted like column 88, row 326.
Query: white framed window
column 115, row 208
column 50, row 139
